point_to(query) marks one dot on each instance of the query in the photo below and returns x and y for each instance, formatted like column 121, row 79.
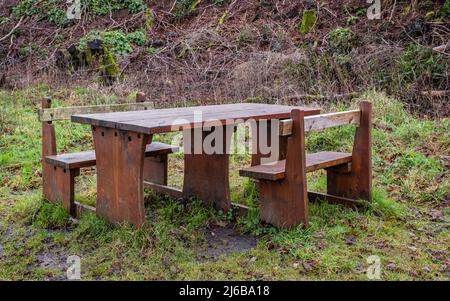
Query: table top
column 174, row 119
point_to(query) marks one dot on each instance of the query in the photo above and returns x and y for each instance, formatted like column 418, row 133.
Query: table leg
column 206, row 176
column 258, row 154
column 120, row 160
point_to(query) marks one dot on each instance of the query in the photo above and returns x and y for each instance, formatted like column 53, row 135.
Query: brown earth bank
column 215, row 50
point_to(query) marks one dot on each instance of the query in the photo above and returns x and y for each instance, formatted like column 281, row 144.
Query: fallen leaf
column 308, row 267
column 391, row 266
column 412, row 248
column 319, row 234
column 222, row 224
column 350, row 240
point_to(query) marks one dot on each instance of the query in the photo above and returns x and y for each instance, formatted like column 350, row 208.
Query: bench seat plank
column 276, row 171
column 87, row 158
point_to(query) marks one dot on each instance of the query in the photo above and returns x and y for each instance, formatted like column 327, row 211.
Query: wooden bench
column 59, row 170
column 283, row 185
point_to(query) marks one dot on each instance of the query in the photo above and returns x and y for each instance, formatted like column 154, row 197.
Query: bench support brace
column 356, row 184
column 57, row 182
column 285, row 203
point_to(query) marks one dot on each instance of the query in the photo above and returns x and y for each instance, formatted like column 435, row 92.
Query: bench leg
column 356, row 184
column 282, row 204
column 285, row 203
column 120, row 188
column 155, row 169
column 59, row 186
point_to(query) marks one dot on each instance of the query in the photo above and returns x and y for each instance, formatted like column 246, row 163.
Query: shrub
column 135, row 6
column 342, row 40
column 138, row 37
column 244, row 38
column 352, row 20
column 42, row 9
column 420, row 63
column 57, row 16
column 26, row 8
column 445, row 9
column 114, row 40
column 185, row 8
column 4, row 20
column 104, row 7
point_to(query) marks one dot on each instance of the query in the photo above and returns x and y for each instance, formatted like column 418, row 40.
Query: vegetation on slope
column 190, row 49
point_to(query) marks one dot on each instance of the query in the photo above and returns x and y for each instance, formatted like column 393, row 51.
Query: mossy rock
column 308, row 21
column 109, row 67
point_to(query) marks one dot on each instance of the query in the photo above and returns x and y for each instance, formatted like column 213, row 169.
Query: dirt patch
column 52, row 260
column 222, row 241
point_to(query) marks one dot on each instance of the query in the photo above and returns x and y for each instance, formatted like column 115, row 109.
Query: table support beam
column 120, row 160
column 206, row 176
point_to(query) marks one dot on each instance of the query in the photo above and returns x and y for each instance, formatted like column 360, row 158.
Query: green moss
column 109, row 67
column 88, row 56
column 149, row 20
column 308, row 21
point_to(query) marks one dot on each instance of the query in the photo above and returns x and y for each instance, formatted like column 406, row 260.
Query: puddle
column 222, row 241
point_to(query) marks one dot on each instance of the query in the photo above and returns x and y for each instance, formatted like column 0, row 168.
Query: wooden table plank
column 163, row 120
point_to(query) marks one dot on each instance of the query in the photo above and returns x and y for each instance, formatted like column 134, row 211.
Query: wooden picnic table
column 120, row 139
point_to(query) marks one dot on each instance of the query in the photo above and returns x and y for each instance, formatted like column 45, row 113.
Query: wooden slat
column 317, row 196
column 276, row 171
column 167, row 120
column 322, row 121
column 72, row 160
column 241, row 210
column 82, row 208
column 64, row 113
column 87, row 158
column 166, row 190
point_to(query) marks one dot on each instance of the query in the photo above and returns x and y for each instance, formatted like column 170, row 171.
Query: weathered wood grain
column 120, row 184
column 87, row 158
column 164, row 189
column 285, row 203
column 356, row 184
column 64, row 113
column 323, row 121
column 168, row 120
column 276, row 171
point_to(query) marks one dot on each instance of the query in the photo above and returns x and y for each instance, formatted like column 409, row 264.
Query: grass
column 406, row 225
